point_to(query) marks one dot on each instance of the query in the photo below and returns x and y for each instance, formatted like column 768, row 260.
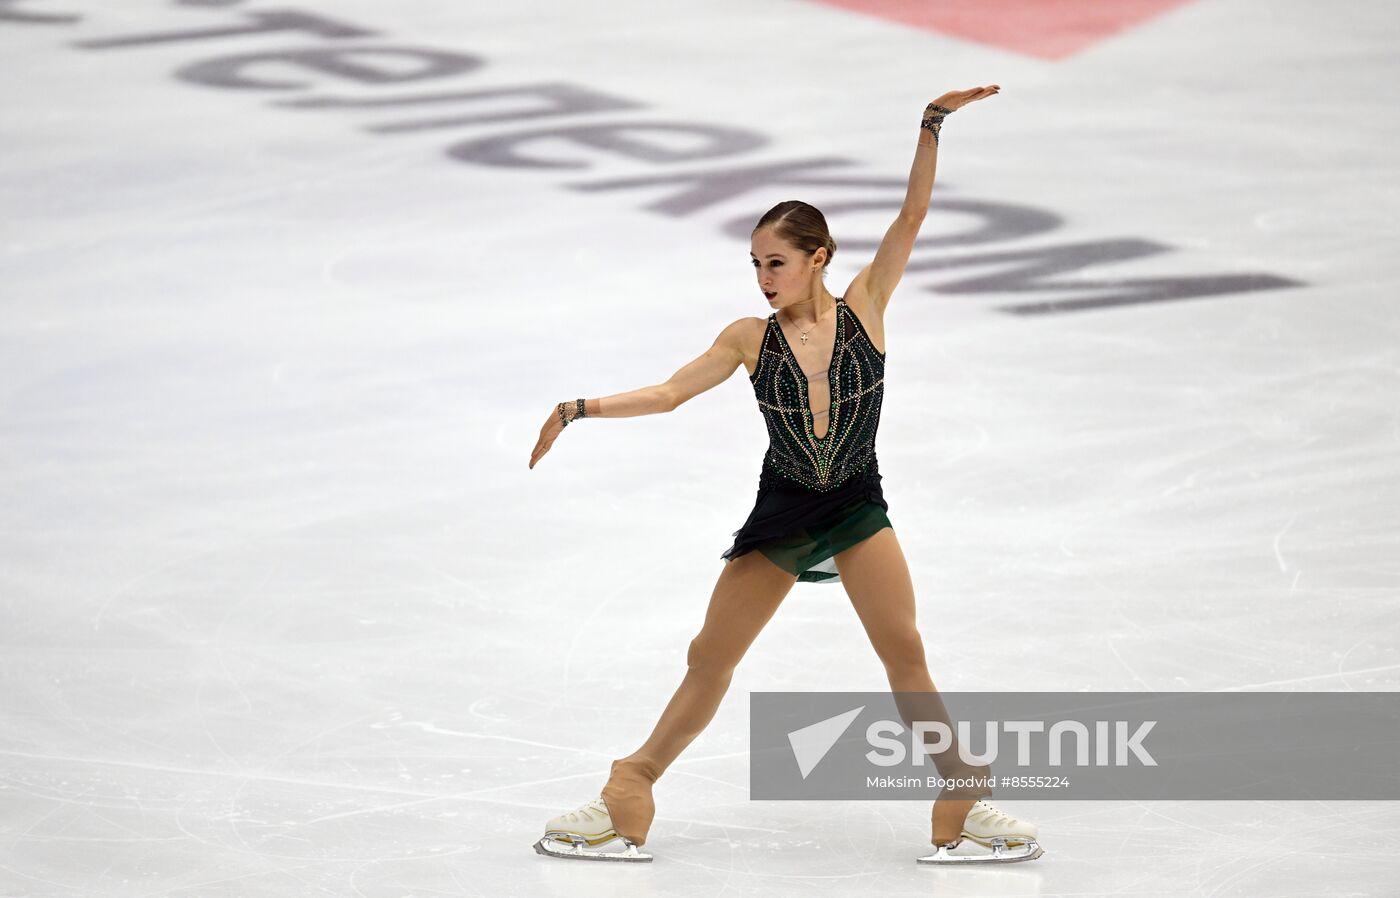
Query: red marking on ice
column 1050, row 29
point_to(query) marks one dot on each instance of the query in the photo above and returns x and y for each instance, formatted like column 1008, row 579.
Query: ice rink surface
column 284, row 613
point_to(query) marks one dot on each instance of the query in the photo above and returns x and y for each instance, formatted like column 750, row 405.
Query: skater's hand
column 551, row 429
column 956, row 99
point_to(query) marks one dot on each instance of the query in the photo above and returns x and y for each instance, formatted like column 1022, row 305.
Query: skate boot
column 1008, row 838
column 579, row 833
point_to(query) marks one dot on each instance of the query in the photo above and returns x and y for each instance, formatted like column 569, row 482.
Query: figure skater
column 817, row 369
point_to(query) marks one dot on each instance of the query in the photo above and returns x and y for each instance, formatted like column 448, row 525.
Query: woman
column 817, row 368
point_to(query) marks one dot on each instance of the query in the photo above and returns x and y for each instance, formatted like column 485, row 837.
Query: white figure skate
column 578, row 833
column 1008, row 838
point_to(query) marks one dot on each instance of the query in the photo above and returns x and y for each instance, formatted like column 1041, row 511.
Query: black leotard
column 817, row 497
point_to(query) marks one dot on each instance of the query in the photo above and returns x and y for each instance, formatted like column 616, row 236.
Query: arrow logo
column 811, row 743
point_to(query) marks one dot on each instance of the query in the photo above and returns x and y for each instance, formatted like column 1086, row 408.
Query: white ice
column 284, row 613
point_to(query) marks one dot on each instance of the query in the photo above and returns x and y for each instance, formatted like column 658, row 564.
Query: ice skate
column 987, row 828
column 578, row 834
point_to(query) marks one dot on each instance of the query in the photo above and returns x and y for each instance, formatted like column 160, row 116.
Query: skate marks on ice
column 272, row 375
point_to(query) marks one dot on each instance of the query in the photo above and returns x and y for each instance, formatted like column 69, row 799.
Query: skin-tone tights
column 748, row 592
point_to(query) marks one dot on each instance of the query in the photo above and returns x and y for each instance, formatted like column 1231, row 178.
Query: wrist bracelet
column 580, row 411
column 933, row 119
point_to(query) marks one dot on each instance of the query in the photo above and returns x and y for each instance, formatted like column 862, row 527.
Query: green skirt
column 802, row 532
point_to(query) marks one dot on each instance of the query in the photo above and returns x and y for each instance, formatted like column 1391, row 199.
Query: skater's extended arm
column 709, row 370
column 883, row 274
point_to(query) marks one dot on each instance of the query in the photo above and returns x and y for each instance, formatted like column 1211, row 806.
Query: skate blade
column 580, row 850
column 1001, row 853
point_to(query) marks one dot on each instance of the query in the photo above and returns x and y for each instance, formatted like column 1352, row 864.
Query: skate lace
column 990, row 814
column 587, row 811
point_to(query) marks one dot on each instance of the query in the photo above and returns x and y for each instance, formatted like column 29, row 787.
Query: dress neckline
column 802, row 381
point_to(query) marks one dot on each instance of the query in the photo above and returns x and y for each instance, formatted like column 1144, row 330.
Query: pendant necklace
column 804, row 335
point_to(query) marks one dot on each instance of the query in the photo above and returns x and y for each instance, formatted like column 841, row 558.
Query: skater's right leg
column 748, row 592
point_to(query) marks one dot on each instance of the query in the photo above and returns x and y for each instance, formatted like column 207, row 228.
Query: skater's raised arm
column 883, row 274
column 709, row 370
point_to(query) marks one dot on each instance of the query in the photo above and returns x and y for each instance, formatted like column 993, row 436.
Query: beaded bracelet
column 933, row 119
column 580, row 411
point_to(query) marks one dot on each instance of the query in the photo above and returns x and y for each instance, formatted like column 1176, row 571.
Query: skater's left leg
column 877, row 580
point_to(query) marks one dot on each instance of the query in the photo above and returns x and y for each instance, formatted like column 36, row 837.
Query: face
column 784, row 272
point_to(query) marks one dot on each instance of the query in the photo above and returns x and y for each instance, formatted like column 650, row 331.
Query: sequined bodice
column 796, row 456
